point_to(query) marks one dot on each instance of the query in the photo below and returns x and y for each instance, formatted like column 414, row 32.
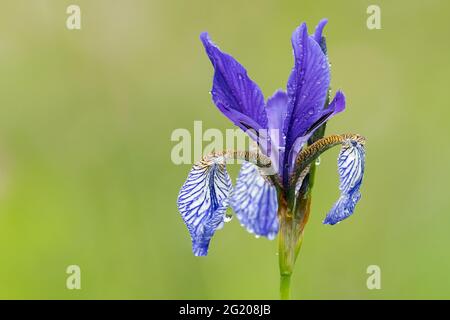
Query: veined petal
column 255, row 202
column 203, row 200
column 351, row 162
column 307, row 88
column 233, row 92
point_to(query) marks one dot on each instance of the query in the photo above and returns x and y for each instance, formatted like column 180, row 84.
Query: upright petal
column 351, row 170
column 276, row 109
column 318, row 35
column 255, row 202
column 203, row 200
column 233, row 92
column 307, row 87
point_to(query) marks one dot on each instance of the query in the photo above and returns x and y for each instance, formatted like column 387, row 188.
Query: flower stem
column 285, row 287
column 290, row 238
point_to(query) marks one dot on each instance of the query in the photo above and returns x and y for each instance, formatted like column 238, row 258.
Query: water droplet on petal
column 317, row 161
column 228, row 218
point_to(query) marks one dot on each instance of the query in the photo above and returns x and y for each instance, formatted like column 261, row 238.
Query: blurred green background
column 86, row 176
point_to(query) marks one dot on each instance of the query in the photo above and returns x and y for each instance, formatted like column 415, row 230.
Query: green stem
column 285, row 287
column 290, row 238
column 288, row 254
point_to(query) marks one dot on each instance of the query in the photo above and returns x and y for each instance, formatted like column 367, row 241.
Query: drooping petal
column 203, row 201
column 351, row 163
column 255, row 202
column 276, row 107
column 234, row 93
column 307, row 87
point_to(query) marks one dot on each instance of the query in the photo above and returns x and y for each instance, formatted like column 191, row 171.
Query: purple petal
column 255, row 202
column 276, row 108
column 307, row 87
column 319, row 30
column 203, row 201
column 318, row 35
column 336, row 106
column 351, row 162
column 233, row 92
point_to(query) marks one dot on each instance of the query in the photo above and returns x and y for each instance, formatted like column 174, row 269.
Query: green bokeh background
column 86, row 176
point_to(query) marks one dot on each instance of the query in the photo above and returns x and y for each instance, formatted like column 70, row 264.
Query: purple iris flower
column 296, row 115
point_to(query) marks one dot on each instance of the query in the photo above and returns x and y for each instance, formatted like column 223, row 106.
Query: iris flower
column 272, row 195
